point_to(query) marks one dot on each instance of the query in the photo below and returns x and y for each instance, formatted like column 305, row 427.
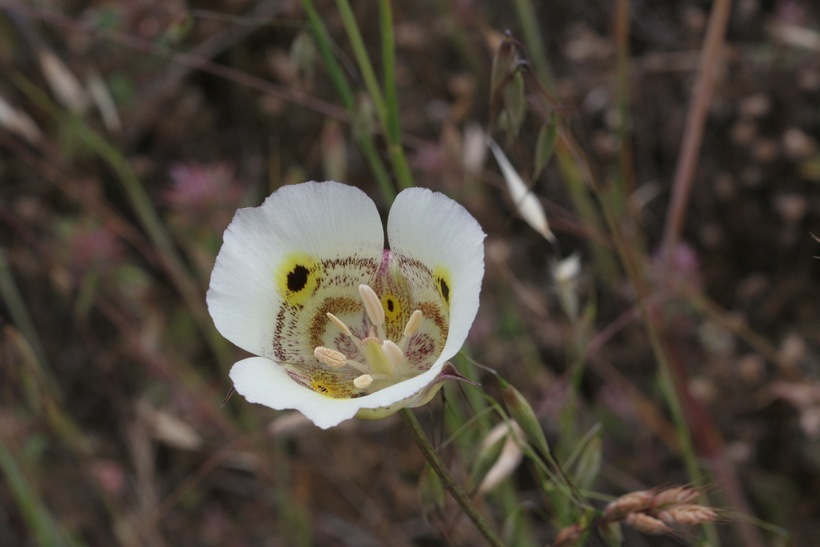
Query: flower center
column 382, row 362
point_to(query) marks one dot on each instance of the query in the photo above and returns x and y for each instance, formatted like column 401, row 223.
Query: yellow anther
column 372, row 305
column 413, row 323
column 363, row 381
column 330, row 357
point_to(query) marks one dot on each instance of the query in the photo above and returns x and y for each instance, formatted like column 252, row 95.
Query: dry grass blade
column 524, row 200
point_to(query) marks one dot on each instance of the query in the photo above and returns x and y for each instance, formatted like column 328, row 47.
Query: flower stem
column 447, row 479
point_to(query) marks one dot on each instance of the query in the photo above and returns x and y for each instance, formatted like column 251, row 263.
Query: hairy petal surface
column 275, row 258
column 440, row 249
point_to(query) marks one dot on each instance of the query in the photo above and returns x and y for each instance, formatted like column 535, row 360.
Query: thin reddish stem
column 695, row 122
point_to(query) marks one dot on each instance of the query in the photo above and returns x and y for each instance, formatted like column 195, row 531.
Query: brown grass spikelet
column 647, row 524
column 629, row 503
column 688, row 515
column 679, row 495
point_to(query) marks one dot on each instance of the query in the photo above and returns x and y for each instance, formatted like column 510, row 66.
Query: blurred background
column 683, row 349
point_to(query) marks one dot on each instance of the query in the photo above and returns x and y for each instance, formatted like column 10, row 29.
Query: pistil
column 394, row 354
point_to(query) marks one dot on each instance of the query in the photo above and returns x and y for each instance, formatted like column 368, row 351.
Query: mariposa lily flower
column 341, row 326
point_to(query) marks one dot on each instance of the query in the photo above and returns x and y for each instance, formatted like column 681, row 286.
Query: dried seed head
column 680, row 495
column 647, row 524
column 628, row 503
column 688, row 515
column 524, row 415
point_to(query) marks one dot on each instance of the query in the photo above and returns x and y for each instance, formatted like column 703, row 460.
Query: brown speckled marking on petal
column 405, row 284
column 298, row 326
column 421, row 352
column 432, row 312
column 335, row 384
column 337, row 305
column 298, row 378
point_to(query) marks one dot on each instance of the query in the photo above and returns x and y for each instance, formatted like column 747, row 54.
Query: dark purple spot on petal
column 298, row 278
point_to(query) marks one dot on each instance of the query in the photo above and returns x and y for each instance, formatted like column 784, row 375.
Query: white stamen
column 383, row 359
column 363, row 381
column 413, row 323
column 372, row 305
column 393, row 353
column 339, row 324
column 330, row 357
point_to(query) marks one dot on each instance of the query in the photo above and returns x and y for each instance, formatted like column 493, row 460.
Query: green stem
column 528, row 20
column 34, row 513
column 622, row 30
column 389, row 68
column 362, row 59
column 323, row 44
column 386, row 103
column 403, row 174
column 18, row 311
column 447, row 479
column 345, row 91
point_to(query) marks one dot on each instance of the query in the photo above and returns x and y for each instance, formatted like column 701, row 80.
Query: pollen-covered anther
column 372, row 305
column 393, row 353
column 363, row 381
column 413, row 323
column 330, row 357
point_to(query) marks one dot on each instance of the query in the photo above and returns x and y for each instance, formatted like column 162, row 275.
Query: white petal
column 525, row 201
column 441, row 234
column 262, row 381
column 323, row 221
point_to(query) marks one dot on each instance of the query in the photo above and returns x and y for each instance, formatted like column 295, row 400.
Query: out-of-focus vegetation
column 663, row 333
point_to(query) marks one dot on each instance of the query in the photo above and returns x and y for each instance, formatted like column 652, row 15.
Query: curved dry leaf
column 525, row 201
column 17, row 121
